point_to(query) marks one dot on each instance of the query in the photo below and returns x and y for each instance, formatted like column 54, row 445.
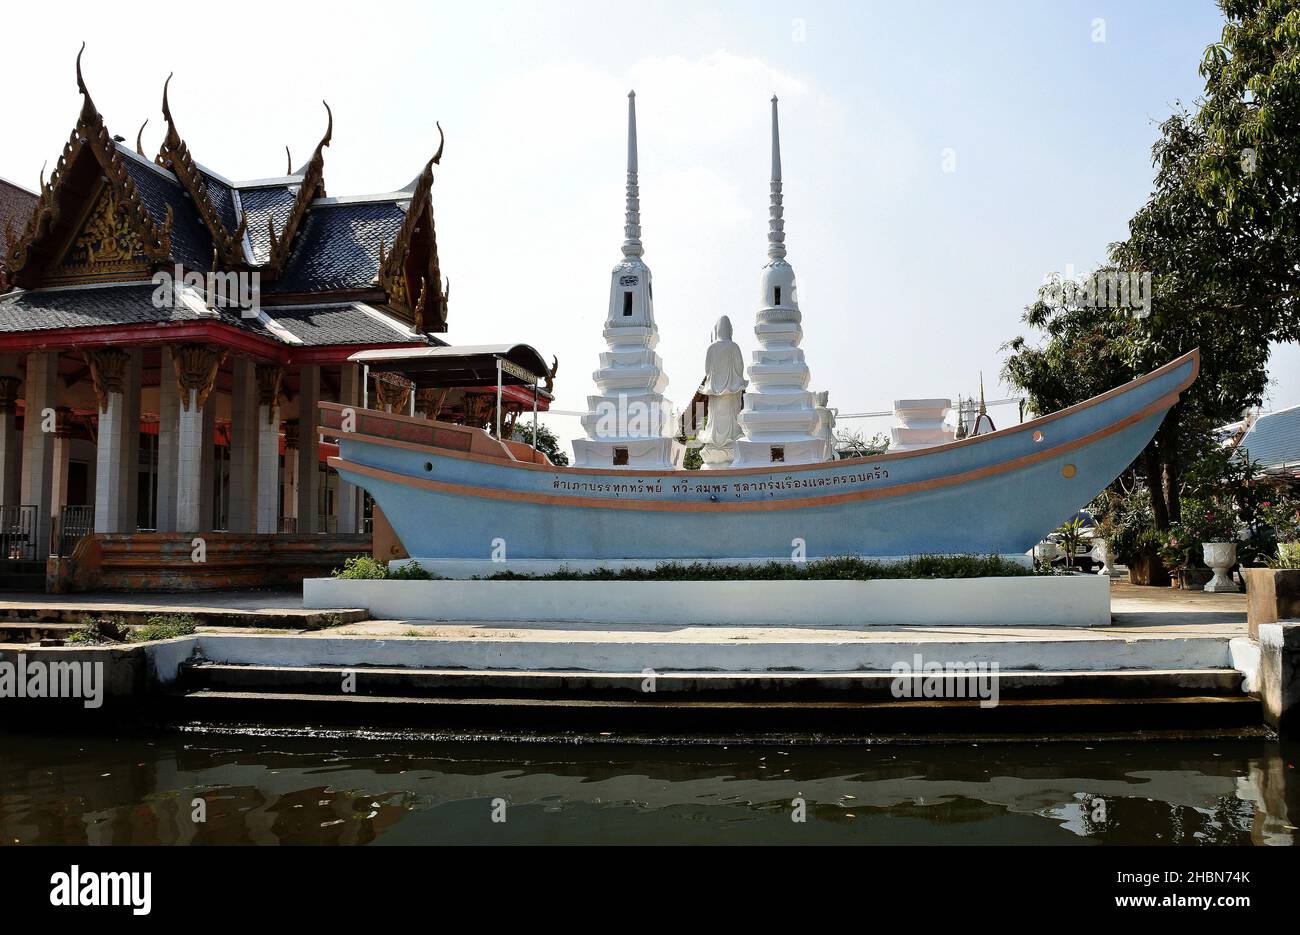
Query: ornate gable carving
column 175, row 155
column 313, row 186
column 107, row 246
column 423, row 300
column 44, row 240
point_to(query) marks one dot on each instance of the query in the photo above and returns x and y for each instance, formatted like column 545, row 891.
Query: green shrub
column 410, row 571
column 845, row 568
column 363, row 567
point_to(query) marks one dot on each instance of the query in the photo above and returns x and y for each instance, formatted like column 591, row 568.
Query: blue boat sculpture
column 453, row 492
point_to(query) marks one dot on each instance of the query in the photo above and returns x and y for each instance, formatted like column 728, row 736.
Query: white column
column 108, row 465
column 169, row 410
column 208, row 465
column 349, row 503
column 196, row 366
column 308, row 448
column 38, row 441
column 244, row 444
column 189, row 457
column 268, row 448
column 108, row 371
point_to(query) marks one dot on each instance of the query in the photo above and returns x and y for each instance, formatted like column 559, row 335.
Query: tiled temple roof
column 1274, row 440
column 16, row 204
column 338, row 246
column 132, row 304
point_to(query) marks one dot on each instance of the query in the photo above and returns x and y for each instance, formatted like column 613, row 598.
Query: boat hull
column 999, row 493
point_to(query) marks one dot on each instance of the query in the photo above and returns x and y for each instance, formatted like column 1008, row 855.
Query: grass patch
column 847, row 568
column 106, row 631
column 163, row 627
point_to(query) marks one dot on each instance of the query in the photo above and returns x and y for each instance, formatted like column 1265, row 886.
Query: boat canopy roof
column 460, row 366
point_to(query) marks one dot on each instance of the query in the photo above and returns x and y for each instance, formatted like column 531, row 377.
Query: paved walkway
column 1138, row 613
column 259, row 608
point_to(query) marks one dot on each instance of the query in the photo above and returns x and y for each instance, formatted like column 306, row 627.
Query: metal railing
column 18, row 533
column 74, row 524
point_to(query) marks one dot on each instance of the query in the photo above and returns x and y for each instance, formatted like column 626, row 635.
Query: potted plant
column 1273, row 592
column 1213, row 522
column 1176, row 555
column 1126, row 525
column 1070, row 538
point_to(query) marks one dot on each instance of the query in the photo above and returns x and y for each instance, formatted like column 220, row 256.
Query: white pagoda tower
column 780, row 417
column 628, row 424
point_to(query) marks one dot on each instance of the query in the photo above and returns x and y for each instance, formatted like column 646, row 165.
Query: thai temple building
column 629, row 424
column 140, row 408
column 780, row 417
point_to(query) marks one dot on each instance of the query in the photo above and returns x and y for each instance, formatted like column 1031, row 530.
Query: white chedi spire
column 628, row 422
column 780, row 417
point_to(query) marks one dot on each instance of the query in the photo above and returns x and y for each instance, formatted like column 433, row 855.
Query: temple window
column 620, row 456
column 778, row 453
column 627, row 304
column 776, row 296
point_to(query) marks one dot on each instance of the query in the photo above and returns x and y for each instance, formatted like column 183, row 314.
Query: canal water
column 327, row 790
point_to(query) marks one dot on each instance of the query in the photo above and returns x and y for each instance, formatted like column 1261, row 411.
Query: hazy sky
column 910, row 276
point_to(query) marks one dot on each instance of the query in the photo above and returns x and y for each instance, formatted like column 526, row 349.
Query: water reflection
column 141, row 790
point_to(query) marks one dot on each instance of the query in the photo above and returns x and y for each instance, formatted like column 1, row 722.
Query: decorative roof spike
column 288, row 161
column 776, row 213
column 139, row 138
column 43, row 164
column 175, row 155
column 442, row 141
column 88, row 111
column 329, row 127
column 632, row 218
column 983, row 409
column 166, row 109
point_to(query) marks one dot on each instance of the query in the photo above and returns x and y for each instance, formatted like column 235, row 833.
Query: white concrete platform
column 1046, row 601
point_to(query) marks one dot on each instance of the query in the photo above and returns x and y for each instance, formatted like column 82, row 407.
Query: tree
column 547, row 443
column 851, row 443
column 1248, row 170
column 1200, row 300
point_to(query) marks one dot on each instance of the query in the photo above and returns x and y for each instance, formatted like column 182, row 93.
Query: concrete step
column 633, row 650
column 34, row 632
column 487, row 716
column 13, row 613
column 747, row 686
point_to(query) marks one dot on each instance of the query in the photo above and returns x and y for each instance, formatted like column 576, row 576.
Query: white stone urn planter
column 1107, row 558
column 1220, row 557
